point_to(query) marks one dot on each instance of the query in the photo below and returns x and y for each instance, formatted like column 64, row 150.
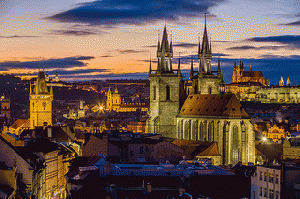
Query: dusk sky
column 86, row 40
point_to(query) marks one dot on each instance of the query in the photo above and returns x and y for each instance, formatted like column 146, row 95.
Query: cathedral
column 204, row 113
column 245, row 84
column 40, row 103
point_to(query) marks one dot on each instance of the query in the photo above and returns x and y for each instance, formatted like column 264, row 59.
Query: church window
column 183, row 110
column 199, row 109
column 154, row 92
column 205, row 97
column 260, row 191
column 201, row 132
column 209, row 90
column 32, row 104
column 206, row 110
column 235, row 147
column 190, row 97
column 191, row 109
column 233, row 109
column 214, row 110
column 167, row 92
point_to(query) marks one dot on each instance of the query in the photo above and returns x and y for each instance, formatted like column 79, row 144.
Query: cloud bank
column 114, row 12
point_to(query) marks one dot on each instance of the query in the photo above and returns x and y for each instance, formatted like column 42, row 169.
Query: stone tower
column 40, row 103
column 166, row 91
column 208, row 81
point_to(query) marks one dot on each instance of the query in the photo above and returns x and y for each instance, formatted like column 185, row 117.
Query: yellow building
column 245, row 84
column 40, row 103
column 113, row 103
column 275, row 133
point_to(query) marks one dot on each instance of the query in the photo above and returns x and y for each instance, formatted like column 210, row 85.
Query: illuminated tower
column 5, row 107
column 166, row 89
column 40, row 103
column 208, row 81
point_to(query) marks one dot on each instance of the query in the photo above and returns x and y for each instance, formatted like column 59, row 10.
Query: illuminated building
column 206, row 114
column 113, row 103
column 40, row 103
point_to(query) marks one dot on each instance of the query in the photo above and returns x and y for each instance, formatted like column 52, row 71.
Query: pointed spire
column 205, row 43
column 288, row 82
column 219, row 68
column 158, row 44
column 199, row 46
column 192, row 70
column 281, row 82
column 234, row 65
column 116, row 90
column 178, row 71
column 164, row 42
column 250, row 66
column 150, row 68
column 171, row 45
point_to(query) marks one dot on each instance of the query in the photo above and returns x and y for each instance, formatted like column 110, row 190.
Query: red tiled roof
column 213, row 105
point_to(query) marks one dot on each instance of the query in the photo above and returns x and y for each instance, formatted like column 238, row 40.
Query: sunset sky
column 86, row 40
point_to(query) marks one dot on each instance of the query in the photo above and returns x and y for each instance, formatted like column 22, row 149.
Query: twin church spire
column 165, row 55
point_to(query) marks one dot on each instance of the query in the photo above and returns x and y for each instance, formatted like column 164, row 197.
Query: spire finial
column 179, row 72
column 205, row 19
column 150, row 68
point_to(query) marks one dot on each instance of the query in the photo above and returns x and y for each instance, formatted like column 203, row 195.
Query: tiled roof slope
column 226, row 105
column 211, row 151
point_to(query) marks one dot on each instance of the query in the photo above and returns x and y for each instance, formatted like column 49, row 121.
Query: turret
column 192, row 70
column 288, row 82
column 281, row 82
column 219, row 68
column 204, row 54
column 164, row 55
column 178, row 70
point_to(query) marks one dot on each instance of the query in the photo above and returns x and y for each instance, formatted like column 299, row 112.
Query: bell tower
column 208, row 81
column 166, row 91
column 40, row 103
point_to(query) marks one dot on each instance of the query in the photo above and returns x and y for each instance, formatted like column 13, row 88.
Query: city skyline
column 86, row 40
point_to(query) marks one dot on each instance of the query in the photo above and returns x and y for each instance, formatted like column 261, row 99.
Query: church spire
column 178, row 71
column 250, row 66
column 164, row 54
column 281, row 82
column 219, row 68
column 192, row 70
column 204, row 54
column 150, row 68
column 288, row 82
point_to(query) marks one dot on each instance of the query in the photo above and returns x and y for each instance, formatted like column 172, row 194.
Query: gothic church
column 205, row 113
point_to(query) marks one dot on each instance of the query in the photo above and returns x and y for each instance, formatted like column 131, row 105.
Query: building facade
column 40, row 103
column 206, row 114
column 113, row 103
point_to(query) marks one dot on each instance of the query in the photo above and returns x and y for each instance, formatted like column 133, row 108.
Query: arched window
column 167, row 92
column 195, row 130
column 154, row 92
column 209, row 90
column 201, row 132
column 235, row 146
column 210, row 136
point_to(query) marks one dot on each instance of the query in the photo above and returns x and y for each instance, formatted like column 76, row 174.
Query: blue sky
column 85, row 40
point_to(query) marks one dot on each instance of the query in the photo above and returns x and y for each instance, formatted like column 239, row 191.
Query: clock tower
column 40, row 103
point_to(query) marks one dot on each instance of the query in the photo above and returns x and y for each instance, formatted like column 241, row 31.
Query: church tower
column 208, row 81
column 40, row 103
column 166, row 91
